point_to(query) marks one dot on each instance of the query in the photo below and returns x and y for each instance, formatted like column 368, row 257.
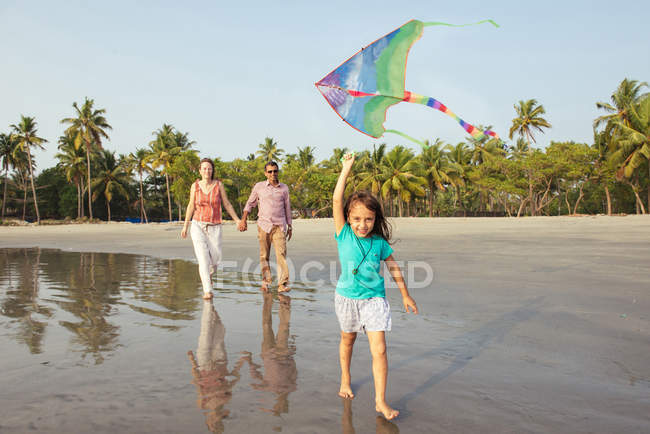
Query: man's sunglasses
column 272, row 171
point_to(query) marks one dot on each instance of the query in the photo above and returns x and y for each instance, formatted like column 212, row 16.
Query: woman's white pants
column 207, row 247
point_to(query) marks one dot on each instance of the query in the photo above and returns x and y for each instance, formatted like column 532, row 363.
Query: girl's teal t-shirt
column 367, row 282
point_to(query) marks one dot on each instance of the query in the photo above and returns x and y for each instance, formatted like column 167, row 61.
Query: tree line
column 475, row 177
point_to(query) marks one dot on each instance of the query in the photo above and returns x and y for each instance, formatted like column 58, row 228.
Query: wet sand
column 529, row 325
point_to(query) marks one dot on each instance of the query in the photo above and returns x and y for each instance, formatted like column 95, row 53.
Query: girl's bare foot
column 207, row 296
column 388, row 412
column 346, row 391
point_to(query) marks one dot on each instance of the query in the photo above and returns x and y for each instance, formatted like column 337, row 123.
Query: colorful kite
column 363, row 87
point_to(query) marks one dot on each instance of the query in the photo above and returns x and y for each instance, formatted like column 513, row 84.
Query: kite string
column 438, row 23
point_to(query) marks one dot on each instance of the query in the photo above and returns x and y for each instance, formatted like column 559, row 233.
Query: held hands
column 409, row 303
column 242, row 226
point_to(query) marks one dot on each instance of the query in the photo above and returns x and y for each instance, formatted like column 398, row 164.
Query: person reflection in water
column 280, row 373
column 213, row 380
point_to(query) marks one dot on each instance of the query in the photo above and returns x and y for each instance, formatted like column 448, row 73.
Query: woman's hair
column 381, row 227
column 207, row 160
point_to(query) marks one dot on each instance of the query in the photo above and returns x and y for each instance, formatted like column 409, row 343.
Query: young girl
column 362, row 236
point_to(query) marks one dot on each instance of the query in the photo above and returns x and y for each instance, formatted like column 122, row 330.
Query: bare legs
column 377, row 343
column 345, row 356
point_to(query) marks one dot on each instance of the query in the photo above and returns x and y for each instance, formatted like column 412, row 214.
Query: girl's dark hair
column 207, row 160
column 381, row 228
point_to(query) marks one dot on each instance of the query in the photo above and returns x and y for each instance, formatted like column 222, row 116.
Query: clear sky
column 231, row 74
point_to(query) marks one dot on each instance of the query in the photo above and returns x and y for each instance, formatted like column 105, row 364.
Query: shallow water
column 113, row 342
column 101, row 342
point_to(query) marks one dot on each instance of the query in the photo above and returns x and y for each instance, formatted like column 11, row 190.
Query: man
column 273, row 224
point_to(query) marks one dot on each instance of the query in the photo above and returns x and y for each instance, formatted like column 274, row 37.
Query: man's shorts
column 362, row 315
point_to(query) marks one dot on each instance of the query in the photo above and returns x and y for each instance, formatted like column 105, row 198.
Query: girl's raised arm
column 337, row 197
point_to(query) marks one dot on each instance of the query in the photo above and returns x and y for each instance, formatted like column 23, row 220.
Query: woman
column 204, row 209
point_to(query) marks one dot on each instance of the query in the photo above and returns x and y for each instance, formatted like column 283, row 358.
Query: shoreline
column 535, row 324
column 163, row 239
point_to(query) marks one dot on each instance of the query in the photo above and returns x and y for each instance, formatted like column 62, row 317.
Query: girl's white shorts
column 362, row 315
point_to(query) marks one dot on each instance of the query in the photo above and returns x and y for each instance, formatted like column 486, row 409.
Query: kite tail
column 433, row 103
column 437, row 23
column 406, row 136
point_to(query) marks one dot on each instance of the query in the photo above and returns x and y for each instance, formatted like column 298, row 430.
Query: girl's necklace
column 355, row 270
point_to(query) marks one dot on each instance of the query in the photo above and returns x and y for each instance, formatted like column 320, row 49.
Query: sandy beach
column 527, row 325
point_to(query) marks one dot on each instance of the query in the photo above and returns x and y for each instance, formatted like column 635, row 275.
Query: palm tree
column 163, row 152
column 182, row 141
column 88, row 128
column 71, row 160
column 633, row 141
column 140, row 162
column 269, row 150
column 529, row 118
column 371, row 173
column 520, row 149
column 462, row 157
column 306, row 157
column 624, row 104
column 111, row 178
column 7, row 160
column 21, row 163
column 401, row 181
column 483, row 150
column 438, row 170
column 627, row 94
column 602, row 164
column 25, row 134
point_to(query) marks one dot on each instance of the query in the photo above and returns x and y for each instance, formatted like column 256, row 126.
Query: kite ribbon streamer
column 438, row 23
column 434, row 103
column 406, row 136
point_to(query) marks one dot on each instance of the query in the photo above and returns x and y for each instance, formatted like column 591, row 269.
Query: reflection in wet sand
column 278, row 365
column 80, row 292
column 21, row 302
column 383, row 426
column 91, row 303
column 346, row 420
column 212, row 378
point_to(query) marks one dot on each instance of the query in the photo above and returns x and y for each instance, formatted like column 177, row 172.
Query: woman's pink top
column 207, row 207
